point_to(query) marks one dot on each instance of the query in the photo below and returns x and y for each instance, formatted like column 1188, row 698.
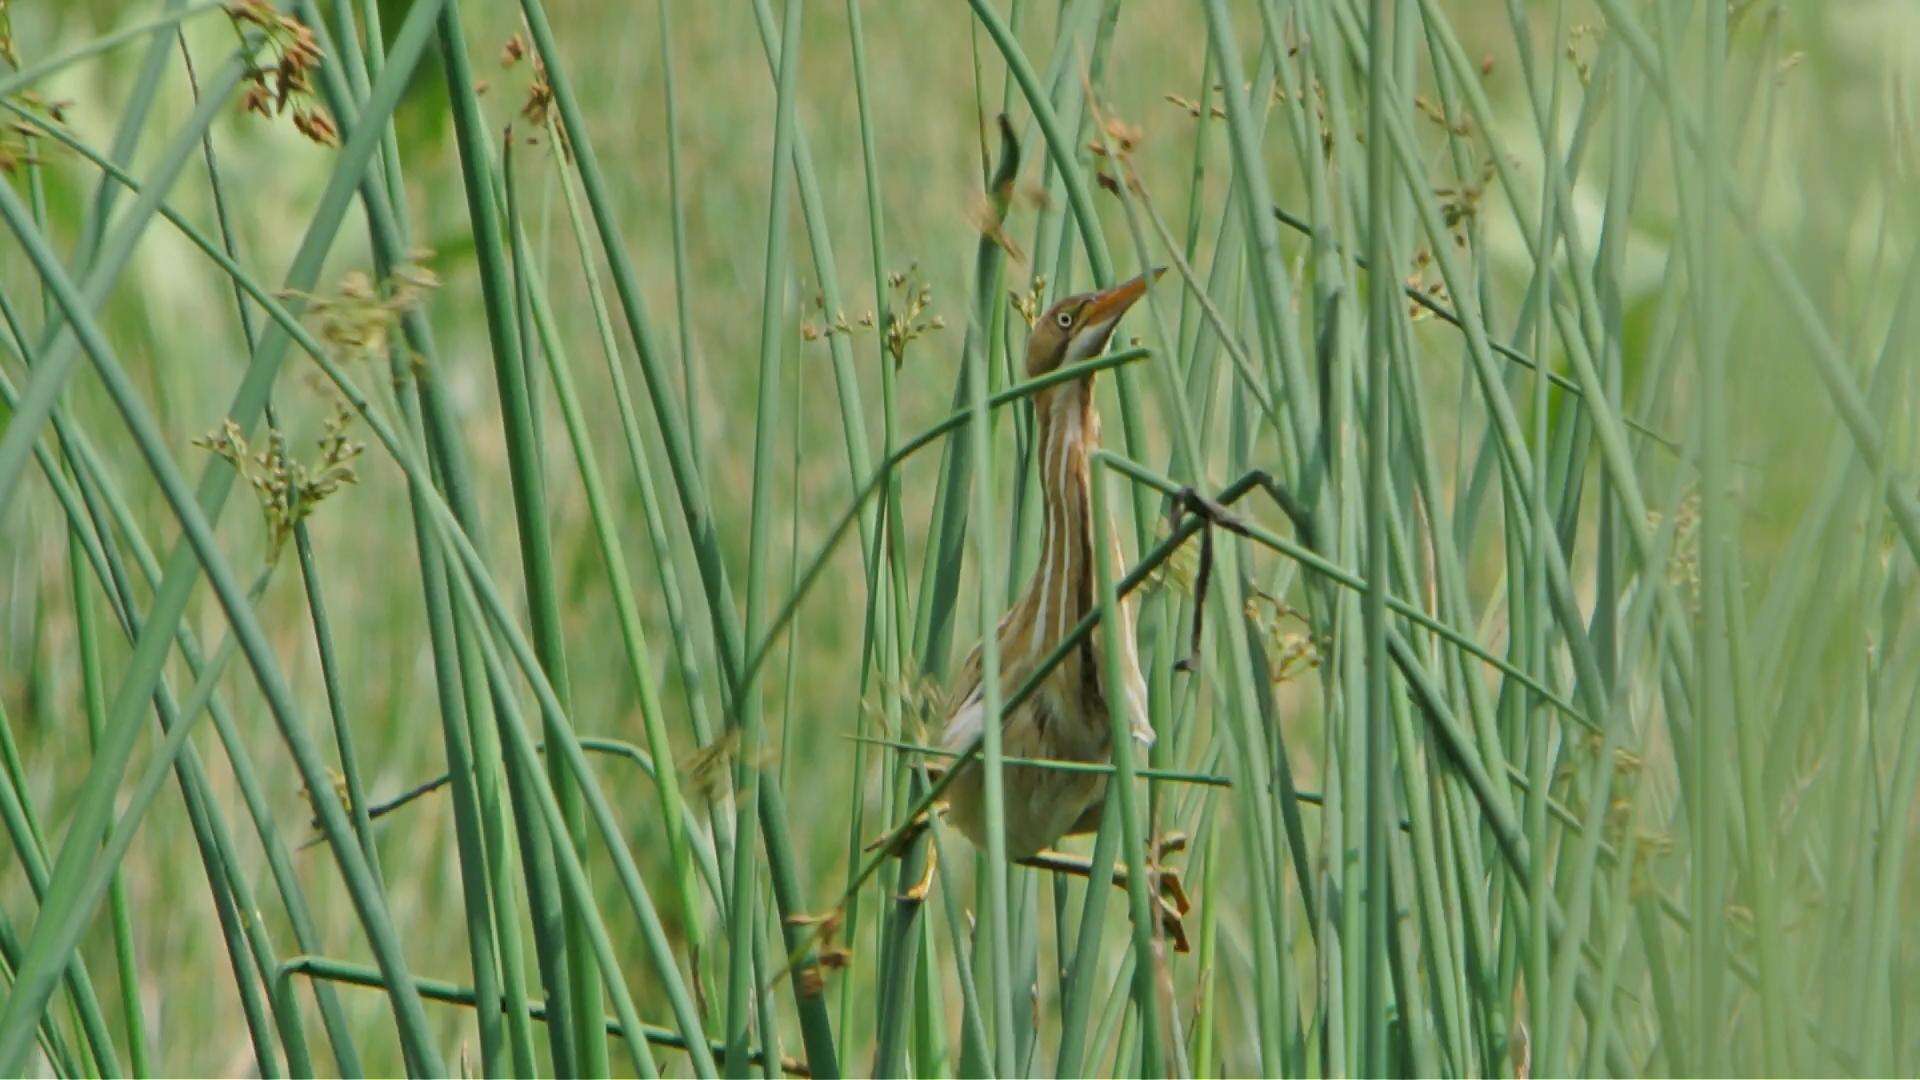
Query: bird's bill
column 1107, row 307
column 1102, row 312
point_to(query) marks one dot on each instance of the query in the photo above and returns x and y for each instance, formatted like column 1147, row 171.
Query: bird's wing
column 964, row 726
column 966, row 705
column 1134, row 688
column 963, row 705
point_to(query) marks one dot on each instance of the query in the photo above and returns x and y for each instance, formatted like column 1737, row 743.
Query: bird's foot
column 917, row 892
column 1189, row 500
column 1170, row 893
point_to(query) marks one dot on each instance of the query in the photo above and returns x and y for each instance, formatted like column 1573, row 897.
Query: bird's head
column 1078, row 327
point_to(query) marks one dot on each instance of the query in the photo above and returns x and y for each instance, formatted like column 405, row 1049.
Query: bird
column 1067, row 718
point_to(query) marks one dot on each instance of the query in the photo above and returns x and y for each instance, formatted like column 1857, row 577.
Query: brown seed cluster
column 1116, row 143
column 358, row 318
column 1433, row 111
column 537, row 107
column 1028, row 305
column 912, row 297
column 831, row 323
column 1120, row 138
column 539, row 103
column 907, row 317
column 1460, row 205
column 1192, row 107
column 1579, row 36
column 514, row 51
column 1291, row 652
column 1648, row 849
column 1628, row 766
column 287, row 85
column 15, row 150
column 1683, row 564
column 19, row 139
column 1417, row 282
column 288, row 489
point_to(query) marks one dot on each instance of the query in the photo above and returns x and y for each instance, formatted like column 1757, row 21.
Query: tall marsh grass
column 491, row 496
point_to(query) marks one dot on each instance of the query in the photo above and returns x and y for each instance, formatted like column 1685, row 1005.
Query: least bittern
column 1067, row 718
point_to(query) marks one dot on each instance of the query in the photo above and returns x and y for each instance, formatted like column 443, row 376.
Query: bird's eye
column 1065, row 319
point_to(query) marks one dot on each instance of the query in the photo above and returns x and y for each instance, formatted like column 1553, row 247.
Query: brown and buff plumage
column 1067, row 718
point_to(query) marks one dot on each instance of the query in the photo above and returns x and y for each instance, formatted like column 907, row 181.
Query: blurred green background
column 1832, row 170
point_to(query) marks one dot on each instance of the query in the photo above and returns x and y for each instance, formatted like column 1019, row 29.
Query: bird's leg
column 917, row 892
column 898, row 844
column 1170, row 894
column 1210, row 513
column 1200, row 582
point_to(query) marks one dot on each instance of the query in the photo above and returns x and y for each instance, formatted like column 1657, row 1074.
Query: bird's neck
column 1061, row 591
